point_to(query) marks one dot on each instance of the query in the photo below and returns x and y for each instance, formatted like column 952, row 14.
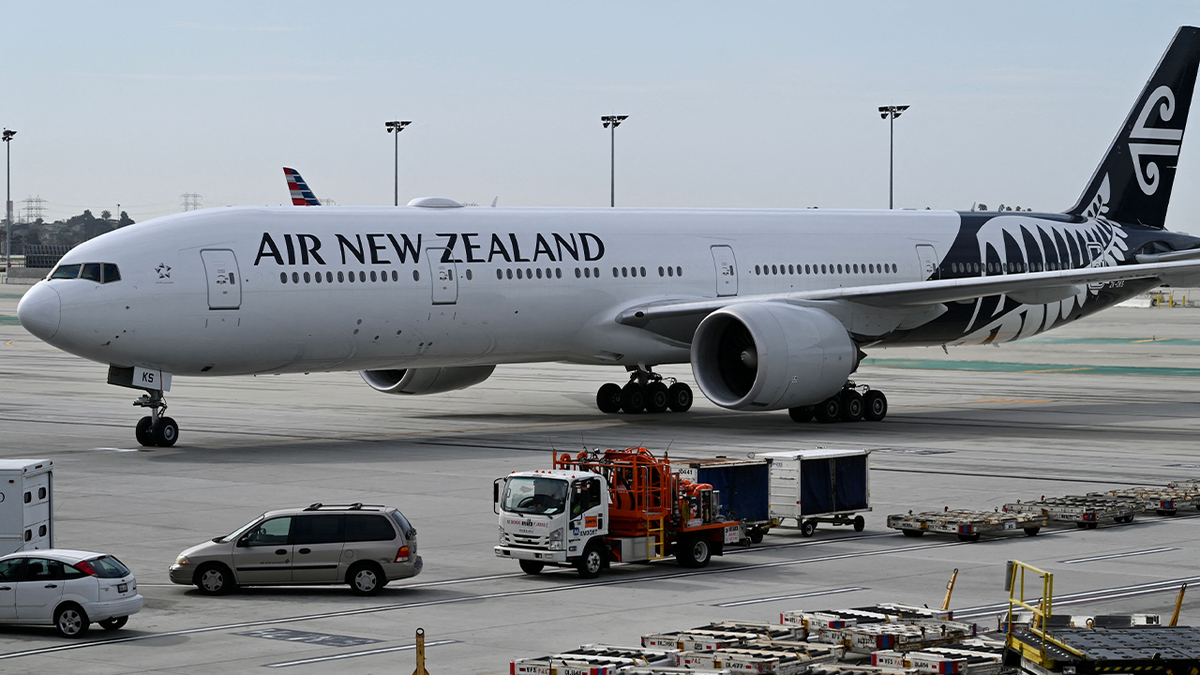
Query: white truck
column 26, row 497
column 615, row 506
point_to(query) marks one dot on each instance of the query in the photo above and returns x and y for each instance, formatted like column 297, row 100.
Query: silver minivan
column 362, row 545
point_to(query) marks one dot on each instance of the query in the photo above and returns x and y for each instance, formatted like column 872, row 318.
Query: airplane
column 301, row 195
column 773, row 308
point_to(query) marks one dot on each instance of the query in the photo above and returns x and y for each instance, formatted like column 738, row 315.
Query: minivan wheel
column 71, row 621
column 214, row 579
column 365, row 579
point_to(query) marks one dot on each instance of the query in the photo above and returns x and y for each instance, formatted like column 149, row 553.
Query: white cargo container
column 819, row 486
column 26, row 497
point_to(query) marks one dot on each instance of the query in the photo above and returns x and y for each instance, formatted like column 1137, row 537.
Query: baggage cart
column 744, row 488
column 968, row 525
column 1084, row 511
column 591, row 660
column 819, row 486
column 1163, row 501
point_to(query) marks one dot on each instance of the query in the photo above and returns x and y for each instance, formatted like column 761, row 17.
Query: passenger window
column 585, row 495
column 369, row 528
column 273, row 532
column 91, row 272
column 111, row 273
column 11, row 570
column 66, row 272
column 70, row 572
column 41, row 569
column 323, row 529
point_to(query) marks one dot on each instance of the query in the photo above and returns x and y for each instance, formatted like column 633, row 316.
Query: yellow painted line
column 13, row 343
column 1152, row 340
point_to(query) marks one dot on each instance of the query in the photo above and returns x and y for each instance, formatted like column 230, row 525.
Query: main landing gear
column 852, row 404
column 645, row 392
column 155, row 429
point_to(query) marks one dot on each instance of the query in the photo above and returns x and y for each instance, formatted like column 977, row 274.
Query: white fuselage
column 463, row 285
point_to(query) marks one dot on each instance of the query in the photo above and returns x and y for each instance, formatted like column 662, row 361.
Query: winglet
column 301, row 195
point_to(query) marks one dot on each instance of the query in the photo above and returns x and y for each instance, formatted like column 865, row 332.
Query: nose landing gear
column 852, row 404
column 646, row 391
column 155, row 429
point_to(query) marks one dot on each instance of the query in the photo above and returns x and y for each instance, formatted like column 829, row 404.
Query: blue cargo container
column 743, row 486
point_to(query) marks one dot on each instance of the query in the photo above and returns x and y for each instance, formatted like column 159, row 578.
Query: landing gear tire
column 695, row 552
column 608, row 398
column 591, row 562
column 143, row 431
column 829, row 410
column 658, row 397
column 166, row 432
column 859, row 524
column 875, row 406
column 679, row 397
column 808, row 528
column 801, row 414
column 852, row 406
column 532, row 566
column 633, row 398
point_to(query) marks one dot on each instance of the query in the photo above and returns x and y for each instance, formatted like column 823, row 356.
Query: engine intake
column 769, row 356
column 420, row 381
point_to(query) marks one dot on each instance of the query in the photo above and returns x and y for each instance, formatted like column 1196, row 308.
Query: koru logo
column 1166, row 141
column 164, row 271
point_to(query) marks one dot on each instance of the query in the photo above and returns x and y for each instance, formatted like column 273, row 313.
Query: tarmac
column 1108, row 402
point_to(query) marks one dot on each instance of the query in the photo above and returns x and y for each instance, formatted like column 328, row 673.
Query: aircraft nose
column 39, row 312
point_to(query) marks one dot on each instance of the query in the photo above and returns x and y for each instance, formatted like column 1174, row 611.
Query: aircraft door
column 726, row 267
column 929, row 262
column 224, row 288
column 444, row 276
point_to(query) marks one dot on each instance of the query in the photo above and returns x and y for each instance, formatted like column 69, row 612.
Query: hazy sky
column 730, row 104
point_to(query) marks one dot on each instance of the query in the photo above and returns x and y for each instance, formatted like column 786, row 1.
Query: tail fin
column 301, row 195
column 1133, row 183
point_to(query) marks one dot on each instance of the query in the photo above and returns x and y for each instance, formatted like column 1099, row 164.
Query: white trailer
column 26, row 497
column 819, row 486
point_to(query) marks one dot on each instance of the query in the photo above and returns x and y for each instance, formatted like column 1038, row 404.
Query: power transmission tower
column 33, row 210
column 190, row 201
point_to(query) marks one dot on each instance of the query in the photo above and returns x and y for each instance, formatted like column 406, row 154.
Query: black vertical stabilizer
column 1133, row 183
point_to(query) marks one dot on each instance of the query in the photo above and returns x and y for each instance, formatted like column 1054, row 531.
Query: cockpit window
column 91, row 272
column 66, row 272
column 111, row 273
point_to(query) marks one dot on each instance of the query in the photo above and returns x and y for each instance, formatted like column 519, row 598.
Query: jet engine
column 768, row 356
column 417, row 381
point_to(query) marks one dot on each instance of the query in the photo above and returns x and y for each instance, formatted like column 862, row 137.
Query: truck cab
column 553, row 517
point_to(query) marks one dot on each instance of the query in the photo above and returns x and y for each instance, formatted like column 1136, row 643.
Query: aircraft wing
column 672, row 318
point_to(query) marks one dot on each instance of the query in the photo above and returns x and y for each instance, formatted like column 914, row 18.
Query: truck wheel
column 756, row 536
column 531, row 566
column 1032, row 531
column 808, row 527
column 694, row 552
column 859, row 523
column 591, row 562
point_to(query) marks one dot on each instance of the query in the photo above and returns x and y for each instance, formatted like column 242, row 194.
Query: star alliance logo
column 164, row 271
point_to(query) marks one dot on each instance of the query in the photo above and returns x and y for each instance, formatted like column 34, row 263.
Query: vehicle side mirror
column 496, row 495
column 243, row 541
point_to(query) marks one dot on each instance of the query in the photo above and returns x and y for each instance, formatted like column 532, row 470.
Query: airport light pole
column 396, row 127
column 890, row 113
column 8, row 134
column 611, row 122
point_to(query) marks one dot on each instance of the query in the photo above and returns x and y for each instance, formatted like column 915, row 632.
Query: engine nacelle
column 418, row 381
column 768, row 356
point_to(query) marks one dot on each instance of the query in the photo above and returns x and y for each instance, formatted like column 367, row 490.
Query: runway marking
column 13, row 343
column 354, row 655
column 1111, row 556
column 1097, row 595
column 794, row 596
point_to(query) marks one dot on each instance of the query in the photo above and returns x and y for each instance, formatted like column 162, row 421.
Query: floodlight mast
column 611, row 122
column 890, row 113
column 7, row 136
column 396, row 126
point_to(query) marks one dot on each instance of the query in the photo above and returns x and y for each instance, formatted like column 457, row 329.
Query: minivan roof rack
column 356, row 506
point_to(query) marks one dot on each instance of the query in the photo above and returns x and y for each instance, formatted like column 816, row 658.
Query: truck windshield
column 535, row 495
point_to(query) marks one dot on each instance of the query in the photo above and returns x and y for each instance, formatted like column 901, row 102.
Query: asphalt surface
column 1109, row 402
